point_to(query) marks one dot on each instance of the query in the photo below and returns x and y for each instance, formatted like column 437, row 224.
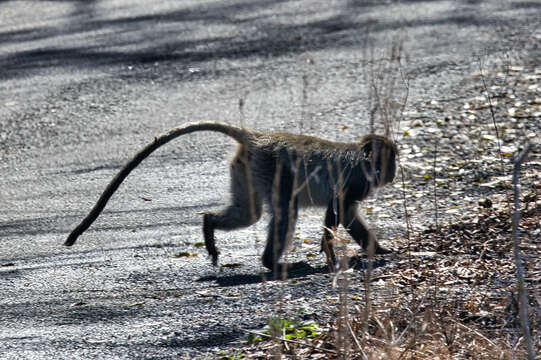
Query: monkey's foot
column 358, row 261
column 333, row 265
column 382, row 251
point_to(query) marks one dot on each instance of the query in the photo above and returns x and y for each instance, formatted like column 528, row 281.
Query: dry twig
column 523, row 298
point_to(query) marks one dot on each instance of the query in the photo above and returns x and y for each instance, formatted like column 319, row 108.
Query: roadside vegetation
column 464, row 282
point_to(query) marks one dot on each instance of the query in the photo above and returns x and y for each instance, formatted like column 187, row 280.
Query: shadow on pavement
column 169, row 36
column 301, row 270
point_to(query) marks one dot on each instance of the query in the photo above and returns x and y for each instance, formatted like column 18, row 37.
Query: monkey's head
column 380, row 153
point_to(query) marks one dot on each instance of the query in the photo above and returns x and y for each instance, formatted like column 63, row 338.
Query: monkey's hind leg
column 245, row 209
column 329, row 227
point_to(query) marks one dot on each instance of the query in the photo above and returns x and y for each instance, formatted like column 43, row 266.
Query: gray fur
column 284, row 171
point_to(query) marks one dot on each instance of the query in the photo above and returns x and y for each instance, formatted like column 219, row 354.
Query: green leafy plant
column 292, row 328
column 253, row 338
column 287, row 329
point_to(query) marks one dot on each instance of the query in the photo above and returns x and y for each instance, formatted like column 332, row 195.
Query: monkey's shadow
column 301, row 269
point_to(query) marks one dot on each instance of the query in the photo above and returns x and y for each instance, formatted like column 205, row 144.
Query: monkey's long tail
column 240, row 134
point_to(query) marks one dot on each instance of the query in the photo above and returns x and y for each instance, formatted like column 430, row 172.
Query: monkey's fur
column 284, row 171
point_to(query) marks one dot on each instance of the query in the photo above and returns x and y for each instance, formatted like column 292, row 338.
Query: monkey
column 283, row 171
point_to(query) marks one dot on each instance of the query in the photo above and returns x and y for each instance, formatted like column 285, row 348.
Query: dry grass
column 451, row 292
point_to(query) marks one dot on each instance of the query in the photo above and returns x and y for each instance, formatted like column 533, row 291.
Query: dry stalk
column 472, row 330
column 435, row 185
column 493, row 117
column 343, row 325
column 523, row 297
column 356, row 340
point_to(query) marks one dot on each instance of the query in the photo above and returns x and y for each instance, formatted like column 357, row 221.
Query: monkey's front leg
column 358, row 230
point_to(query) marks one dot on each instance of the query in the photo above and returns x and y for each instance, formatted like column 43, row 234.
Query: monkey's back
column 320, row 168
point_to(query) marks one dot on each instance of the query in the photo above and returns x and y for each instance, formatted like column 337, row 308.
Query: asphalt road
column 85, row 84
